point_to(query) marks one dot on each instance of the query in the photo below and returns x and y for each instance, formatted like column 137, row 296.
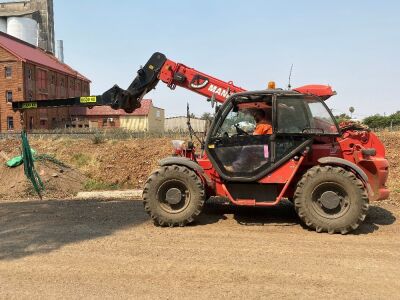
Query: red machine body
column 354, row 145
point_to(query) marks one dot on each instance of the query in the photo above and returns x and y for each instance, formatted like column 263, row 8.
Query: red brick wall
column 14, row 84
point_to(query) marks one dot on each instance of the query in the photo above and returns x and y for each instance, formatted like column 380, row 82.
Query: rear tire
column 331, row 199
column 173, row 196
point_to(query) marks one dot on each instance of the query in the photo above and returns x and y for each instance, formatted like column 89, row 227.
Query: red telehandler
column 329, row 172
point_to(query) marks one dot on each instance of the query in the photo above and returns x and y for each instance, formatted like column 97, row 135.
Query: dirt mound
column 121, row 164
column 59, row 181
column 391, row 142
column 111, row 164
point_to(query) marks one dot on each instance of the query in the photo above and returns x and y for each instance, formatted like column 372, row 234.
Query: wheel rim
column 173, row 196
column 330, row 200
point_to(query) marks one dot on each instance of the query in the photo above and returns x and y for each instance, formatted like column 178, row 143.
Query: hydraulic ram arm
column 171, row 73
column 157, row 68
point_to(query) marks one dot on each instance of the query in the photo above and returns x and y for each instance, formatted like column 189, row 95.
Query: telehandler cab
column 329, row 172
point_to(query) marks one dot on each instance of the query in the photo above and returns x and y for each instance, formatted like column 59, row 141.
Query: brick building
column 30, row 73
column 147, row 118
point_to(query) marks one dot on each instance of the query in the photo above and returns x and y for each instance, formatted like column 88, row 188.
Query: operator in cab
column 254, row 154
column 263, row 122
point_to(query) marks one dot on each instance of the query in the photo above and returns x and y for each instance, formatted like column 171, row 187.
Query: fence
column 118, row 134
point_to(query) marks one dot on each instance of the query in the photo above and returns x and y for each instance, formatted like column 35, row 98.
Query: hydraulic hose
column 29, row 165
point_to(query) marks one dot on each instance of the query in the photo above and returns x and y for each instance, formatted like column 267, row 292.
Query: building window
column 42, row 122
column 53, row 79
column 10, row 123
column 158, row 114
column 42, row 79
column 30, row 74
column 8, row 72
column 9, row 96
column 31, row 121
column 105, row 120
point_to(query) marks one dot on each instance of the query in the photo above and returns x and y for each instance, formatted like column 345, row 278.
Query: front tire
column 173, row 196
column 331, row 199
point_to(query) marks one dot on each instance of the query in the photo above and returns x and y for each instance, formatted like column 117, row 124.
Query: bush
column 98, row 138
column 378, row 121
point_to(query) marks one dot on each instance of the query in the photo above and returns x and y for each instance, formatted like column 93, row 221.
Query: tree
column 207, row 116
column 379, row 121
column 351, row 110
column 342, row 117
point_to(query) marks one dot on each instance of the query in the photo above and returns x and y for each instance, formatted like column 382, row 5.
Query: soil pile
column 110, row 164
column 122, row 164
column 60, row 181
column 113, row 163
column 391, row 141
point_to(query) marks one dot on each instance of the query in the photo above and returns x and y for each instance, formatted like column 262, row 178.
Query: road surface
column 109, row 249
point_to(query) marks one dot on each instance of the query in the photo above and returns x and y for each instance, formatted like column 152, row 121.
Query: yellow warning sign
column 29, row 105
column 90, row 99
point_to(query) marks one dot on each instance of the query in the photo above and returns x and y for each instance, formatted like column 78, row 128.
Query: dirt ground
column 110, row 249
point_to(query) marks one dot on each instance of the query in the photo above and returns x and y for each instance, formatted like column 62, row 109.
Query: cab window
column 304, row 116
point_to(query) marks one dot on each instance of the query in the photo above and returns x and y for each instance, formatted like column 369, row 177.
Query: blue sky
column 352, row 45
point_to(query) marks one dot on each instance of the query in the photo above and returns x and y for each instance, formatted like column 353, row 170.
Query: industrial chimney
column 60, row 50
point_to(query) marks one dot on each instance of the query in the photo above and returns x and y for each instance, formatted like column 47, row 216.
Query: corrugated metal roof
column 144, row 110
column 30, row 53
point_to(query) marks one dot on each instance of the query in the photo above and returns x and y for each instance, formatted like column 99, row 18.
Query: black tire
column 331, row 199
column 185, row 201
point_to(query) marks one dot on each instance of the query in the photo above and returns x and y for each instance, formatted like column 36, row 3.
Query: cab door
column 236, row 153
column 239, row 155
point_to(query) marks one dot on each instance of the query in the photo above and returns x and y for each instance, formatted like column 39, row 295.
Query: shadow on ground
column 377, row 216
column 285, row 215
column 32, row 227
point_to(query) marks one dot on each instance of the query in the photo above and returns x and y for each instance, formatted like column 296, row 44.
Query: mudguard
column 342, row 162
column 181, row 161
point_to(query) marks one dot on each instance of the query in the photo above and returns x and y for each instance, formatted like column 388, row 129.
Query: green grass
column 97, row 185
column 81, row 159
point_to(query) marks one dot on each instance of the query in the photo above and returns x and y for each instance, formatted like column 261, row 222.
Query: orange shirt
column 263, row 128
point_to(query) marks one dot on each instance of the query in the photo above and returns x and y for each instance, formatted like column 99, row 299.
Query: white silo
column 23, row 28
column 3, row 25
